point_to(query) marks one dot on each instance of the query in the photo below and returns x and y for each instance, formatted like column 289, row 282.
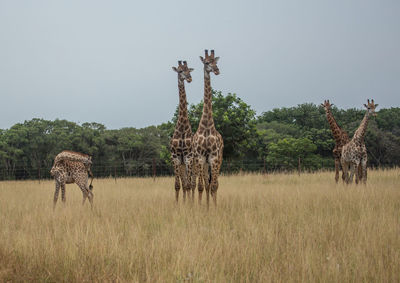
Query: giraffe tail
column 92, row 177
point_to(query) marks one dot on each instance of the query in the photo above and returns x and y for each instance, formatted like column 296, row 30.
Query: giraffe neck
column 336, row 130
column 360, row 132
column 206, row 118
column 183, row 113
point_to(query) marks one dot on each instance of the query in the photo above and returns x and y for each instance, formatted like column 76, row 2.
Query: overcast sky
column 110, row 61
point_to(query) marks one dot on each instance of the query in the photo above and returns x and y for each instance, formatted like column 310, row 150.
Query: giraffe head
column 327, row 105
column 183, row 71
column 210, row 62
column 371, row 107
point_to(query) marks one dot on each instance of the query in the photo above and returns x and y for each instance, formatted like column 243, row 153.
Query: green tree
column 234, row 119
column 285, row 154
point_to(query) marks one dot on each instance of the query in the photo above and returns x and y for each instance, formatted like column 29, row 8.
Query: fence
column 151, row 168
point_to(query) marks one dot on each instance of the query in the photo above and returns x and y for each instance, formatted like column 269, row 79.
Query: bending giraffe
column 74, row 156
column 208, row 144
column 72, row 167
column 354, row 153
column 181, row 141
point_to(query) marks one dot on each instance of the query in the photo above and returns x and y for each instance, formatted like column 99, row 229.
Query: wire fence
column 151, row 168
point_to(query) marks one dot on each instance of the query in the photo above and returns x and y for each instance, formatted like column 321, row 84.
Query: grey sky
column 110, row 61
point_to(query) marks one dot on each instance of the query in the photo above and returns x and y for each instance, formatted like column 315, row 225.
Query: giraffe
column 207, row 141
column 68, row 171
column 354, row 153
column 341, row 138
column 74, row 156
column 181, row 141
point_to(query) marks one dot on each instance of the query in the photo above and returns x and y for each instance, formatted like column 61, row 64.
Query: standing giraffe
column 207, row 142
column 341, row 138
column 181, row 141
column 354, row 153
column 67, row 170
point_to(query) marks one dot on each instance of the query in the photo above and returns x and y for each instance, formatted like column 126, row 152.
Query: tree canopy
column 275, row 139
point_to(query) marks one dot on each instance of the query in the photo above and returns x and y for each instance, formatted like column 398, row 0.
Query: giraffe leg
column 200, row 173
column 337, row 168
column 56, row 194
column 344, row 172
column 195, row 175
column 183, row 177
column 193, row 181
column 177, row 164
column 84, row 192
column 363, row 166
column 82, row 181
column 345, row 169
column 189, row 176
column 215, row 167
column 87, row 194
column 356, row 173
column 352, row 171
column 360, row 172
column 206, row 178
column 84, row 196
column 90, row 197
column 63, row 192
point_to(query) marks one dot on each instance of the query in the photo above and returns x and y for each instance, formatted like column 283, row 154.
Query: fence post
column 39, row 174
column 299, row 167
column 154, row 169
column 265, row 168
column 115, row 173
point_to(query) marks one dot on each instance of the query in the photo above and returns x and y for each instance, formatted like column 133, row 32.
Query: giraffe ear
column 191, row 69
column 366, row 106
column 376, row 105
column 175, row 69
column 202, row 59
column 216, row 59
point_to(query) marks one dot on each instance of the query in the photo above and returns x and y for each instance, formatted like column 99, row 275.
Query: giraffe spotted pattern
column 181, row 141
column 72, row 167
column 208, row 144
column 354, row 153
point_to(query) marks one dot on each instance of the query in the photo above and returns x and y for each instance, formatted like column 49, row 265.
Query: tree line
column 281, row 139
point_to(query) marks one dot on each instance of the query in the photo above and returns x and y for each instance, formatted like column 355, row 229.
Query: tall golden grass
column 266, row 228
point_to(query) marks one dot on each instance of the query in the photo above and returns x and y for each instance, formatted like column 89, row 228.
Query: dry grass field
column 273, row 228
